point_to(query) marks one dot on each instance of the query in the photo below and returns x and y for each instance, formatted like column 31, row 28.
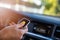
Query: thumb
column 21, row 24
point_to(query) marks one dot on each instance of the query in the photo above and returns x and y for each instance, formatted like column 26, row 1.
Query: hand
column 13, row 32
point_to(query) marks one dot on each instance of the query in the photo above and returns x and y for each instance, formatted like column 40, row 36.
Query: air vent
column 57, row 32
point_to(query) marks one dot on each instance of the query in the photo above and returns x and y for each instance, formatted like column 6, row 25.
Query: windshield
column 46, row 7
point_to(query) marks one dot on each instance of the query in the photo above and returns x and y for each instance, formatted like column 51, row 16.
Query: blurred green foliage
column 48, row 6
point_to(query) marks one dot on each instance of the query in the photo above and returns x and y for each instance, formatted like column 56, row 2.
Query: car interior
column 41, row 27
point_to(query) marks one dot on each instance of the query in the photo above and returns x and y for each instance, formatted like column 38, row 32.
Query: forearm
column 3, row 36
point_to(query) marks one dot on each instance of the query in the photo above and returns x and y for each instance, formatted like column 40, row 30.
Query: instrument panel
column 39, row 28
column 43, row 29
column 43, row 25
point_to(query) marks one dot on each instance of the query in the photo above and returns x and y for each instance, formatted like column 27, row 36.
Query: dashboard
column 42, row 27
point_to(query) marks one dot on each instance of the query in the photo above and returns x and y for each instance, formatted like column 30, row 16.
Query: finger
column 21, row 24
column 24, row 30
column 12, row 23
column 26, row 27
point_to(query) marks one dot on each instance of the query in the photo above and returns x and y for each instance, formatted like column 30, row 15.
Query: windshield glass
column 46, row 7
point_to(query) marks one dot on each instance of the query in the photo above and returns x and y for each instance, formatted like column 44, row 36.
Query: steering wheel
column 36, row 36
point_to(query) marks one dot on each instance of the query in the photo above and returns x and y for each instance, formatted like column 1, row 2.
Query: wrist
column 1, row 36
